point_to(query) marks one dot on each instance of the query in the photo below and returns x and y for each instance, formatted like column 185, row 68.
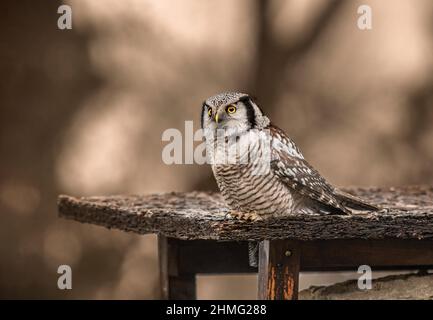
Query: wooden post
column 174, row 284
column 279, row 264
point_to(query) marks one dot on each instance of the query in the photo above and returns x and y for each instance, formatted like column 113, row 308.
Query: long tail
column 354, row 203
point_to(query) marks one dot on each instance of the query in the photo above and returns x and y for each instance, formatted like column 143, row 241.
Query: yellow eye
column 231, row 109
column 209, row 112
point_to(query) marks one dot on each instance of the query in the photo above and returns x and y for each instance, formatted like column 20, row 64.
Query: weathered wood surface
column 417, row 286
column 199, row 215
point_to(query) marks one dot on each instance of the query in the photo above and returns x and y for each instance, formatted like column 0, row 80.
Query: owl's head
column 232, row 111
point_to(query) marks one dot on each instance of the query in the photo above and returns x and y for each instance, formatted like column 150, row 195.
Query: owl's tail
column 353, row 202
column 253, row 253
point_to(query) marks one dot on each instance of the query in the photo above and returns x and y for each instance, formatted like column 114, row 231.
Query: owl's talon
column 245, row 216
column 236, row 215
column 228, row 215
column 255, row 217
column 252, row 216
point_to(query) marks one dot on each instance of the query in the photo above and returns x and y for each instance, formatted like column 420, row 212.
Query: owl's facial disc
column 235, row 113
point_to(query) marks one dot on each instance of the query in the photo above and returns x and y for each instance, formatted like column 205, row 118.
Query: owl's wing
column 289, row 165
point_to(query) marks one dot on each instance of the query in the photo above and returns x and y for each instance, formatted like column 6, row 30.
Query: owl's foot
column 247, row 216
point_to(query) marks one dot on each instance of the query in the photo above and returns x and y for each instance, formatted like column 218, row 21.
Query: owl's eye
column 209, row 112
column 231, row 109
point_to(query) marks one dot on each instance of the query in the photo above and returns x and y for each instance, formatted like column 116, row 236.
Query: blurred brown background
column 82, row 112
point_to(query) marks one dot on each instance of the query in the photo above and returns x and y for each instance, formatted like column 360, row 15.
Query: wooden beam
column 279, row 264
column 213, row 257
column 384, row 254
column 223, row 257
column 175, row 284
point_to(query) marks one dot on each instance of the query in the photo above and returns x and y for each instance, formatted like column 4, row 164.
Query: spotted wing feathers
column 290, row 166
column 298, row 175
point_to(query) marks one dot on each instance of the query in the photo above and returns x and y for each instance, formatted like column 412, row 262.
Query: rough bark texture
column 407, row 214
column 406, row 286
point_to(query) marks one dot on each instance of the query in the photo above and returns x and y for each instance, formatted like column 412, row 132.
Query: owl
column 259, row 170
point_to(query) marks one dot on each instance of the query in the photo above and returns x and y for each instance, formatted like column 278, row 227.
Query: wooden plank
column 407, row 214
column 175, row 284
column 213, row 257
column 279, row 264
column 379, row 254
column 222, row 257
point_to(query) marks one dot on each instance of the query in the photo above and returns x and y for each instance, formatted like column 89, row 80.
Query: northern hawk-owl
column 268, row 175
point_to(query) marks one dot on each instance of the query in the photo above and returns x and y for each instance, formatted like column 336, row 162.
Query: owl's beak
column 216, row 117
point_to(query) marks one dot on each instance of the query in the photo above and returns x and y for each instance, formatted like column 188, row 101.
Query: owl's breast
column 248, row 189
column 246, row 179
